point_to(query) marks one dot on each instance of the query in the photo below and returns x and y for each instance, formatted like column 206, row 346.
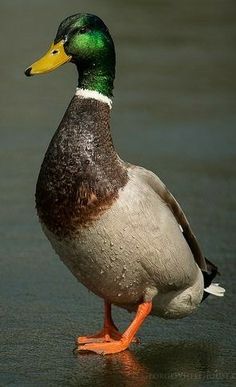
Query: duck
column 115, row 225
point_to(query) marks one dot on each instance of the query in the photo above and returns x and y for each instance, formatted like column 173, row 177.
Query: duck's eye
column 80, row 30
column 83, row 30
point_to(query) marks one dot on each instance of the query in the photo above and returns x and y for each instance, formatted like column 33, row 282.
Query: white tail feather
column 215, row 289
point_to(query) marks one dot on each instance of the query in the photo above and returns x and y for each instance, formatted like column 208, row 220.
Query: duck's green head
column 82, row 39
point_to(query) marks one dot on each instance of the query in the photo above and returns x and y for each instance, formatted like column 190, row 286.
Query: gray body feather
column 134, row 251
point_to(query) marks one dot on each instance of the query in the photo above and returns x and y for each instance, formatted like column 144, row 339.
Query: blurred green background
column 174, row 112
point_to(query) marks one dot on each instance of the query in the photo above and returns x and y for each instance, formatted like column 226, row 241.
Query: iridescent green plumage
column 88, row 41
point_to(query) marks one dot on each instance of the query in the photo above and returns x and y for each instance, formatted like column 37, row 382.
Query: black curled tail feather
column 208, row 276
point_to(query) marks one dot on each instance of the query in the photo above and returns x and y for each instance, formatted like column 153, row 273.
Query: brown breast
column 81, row 173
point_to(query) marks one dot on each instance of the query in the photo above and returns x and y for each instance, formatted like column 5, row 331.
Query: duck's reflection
column 161, row 364
column 126, row 369
column 158, row 364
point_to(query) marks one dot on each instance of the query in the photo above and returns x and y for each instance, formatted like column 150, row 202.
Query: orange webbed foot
column 105, row 348
column 109, row 340
column 107, row 334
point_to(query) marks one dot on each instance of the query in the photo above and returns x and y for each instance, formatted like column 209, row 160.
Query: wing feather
column 159, row 187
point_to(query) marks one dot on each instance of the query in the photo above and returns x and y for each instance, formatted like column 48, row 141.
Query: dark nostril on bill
column 54, row 52
column 28, row 71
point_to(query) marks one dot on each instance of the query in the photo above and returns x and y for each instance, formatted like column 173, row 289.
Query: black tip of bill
column 28, row 71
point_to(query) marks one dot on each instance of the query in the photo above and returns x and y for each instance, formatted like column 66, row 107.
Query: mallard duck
column 114, row 225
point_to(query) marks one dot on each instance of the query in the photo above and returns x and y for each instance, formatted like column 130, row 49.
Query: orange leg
column 114, row 346
column 107, row 334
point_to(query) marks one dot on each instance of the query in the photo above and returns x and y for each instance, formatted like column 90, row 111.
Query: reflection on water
column 125, row 368
column 174, row 112
column 157, row 364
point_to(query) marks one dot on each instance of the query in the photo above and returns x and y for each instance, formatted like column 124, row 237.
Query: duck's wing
column 159, row 187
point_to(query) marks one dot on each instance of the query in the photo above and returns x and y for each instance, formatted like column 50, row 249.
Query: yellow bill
column 54, row 58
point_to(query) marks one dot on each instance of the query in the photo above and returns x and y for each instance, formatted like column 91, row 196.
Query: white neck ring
column 85, row 93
